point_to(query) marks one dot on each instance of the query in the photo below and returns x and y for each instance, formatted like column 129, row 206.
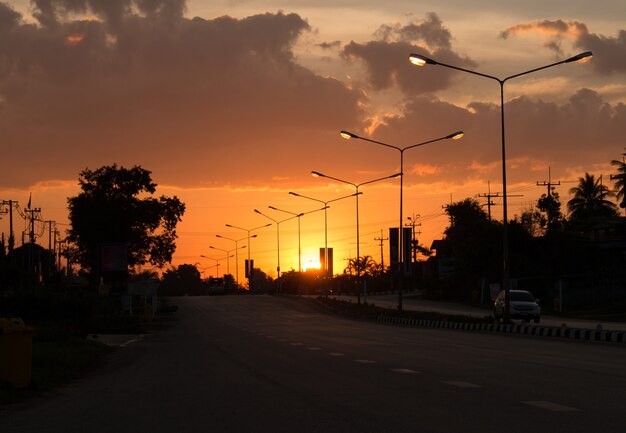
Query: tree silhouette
column 115, row 206
column 590, row 199
column 550, row 205
column 620, row 182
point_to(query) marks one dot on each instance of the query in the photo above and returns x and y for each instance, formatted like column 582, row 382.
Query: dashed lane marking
column 337, row 354
column 403, row 370
column 460, row 384
column 297, row 344
column 365, row 361
column 548, row 405
column 314, row 348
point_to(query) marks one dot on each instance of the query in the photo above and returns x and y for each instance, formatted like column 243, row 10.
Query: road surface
column 272, row 364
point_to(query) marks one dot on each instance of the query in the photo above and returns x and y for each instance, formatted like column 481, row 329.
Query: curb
column 541, row 331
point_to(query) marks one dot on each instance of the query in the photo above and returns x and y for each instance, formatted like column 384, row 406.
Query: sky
column 231, row 105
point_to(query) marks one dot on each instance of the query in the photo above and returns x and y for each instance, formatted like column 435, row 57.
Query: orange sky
column 232, row 110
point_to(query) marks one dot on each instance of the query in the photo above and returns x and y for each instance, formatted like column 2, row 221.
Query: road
column 416, row 303
column 270, row 364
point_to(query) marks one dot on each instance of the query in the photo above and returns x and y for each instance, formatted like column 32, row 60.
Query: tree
column 550, row 205
column 366, row 264
column 620, row 181
column 590, row 199
column 184, row 280
column 116, row 206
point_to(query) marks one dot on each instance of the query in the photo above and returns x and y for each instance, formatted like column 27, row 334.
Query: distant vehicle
column 523, row 306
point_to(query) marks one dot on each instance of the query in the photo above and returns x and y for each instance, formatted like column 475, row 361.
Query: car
column 523, row 305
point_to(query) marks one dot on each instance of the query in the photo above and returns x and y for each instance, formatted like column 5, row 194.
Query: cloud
column 609, row 52
column 538, row 134
column 385, row 57
column 196, row 101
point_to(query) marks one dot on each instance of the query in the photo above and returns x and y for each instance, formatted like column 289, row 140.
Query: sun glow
column 310, row 263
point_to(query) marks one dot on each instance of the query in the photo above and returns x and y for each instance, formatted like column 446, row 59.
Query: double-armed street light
column 421, row 60
column 249, row 267
column 356, row 194
column 236, row 241
column 277, row 237
column 454, row 136
column 326, row 266
column 228, row 255
column 298, row 215
column 217, row 265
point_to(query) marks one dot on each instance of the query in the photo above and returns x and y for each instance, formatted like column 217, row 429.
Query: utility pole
column 381, row 239
column 549, row 183
column 32, row 219
column 488, row 195
column 10, row 203
column 413, row 223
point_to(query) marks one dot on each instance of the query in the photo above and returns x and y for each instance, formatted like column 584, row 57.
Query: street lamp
column 298, row 215
column 420, row 60
column 236, row 241
column 356, row 194
column 326, row 268
column 454, row 136
column 249, row 267
column 277, row 237
column 227, row 255
column 218, row 261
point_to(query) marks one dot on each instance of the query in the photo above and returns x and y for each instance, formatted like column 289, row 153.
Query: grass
column 59, row 357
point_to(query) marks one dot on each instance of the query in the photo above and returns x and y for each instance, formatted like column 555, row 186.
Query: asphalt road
column 268, row 364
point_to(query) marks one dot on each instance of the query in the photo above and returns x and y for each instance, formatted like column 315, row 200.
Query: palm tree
column 590, row 199
column 620, row 181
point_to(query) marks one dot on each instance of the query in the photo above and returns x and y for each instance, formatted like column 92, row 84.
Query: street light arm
column 341, row 198
column 421, row 60
column 379, row 179
column 455, row 136
column 318, row 174
column 581, row 56
column 348, row 135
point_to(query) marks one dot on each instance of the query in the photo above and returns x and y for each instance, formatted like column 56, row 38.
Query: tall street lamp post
column 420, row 60
column 249, row 268
column 326, row 268
column 236, row 241
column 356, row 194
column 454, row 136
column 277, row 237
column 298, row 215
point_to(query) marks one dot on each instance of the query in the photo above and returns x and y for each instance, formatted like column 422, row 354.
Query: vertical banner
column 406, row 248
column 393, row 248
column 249, row 267
column 329, row 270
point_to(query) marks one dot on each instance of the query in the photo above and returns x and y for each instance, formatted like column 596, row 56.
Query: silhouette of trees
column 620, row 182
column 590, row 199
column 366, row 264
column 184, row 280
column 116, row 206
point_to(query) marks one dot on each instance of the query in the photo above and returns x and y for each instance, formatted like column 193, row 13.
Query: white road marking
column 314, row 348
column 297, row 344
column 365, row 361
column 336, row 354
column 460, row 384
column 282, row 340
column 548, row 405
column 403, row 370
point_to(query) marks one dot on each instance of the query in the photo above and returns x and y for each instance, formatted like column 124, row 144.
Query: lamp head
column 294, row 193
column 456, row 135
column 218, row 236
column 348, row 135
column 228, row 225
column 581, row 58
column 257, row 211
column 317, row 174
column 420, row 60
column 254, row 236
column 272, row 207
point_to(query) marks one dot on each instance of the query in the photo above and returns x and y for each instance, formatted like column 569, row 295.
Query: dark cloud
column 9, row 17
column 330, row 45
column 195, row 100
column 609, row 52
column 387, row 62
column 583, row 131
